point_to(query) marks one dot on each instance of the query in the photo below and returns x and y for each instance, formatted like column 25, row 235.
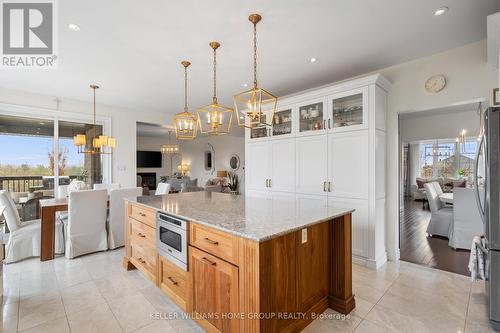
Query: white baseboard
column 370, row 263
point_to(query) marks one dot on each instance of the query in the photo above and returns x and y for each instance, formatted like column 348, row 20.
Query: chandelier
column 99, row 143
column 186, row 124
column 169, row 148
column 215, row 119
column 256, row 106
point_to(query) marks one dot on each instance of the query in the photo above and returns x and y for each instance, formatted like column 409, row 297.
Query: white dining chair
column 162, row 189
column 62, row 191
column 441, row 217
column 24, row 237
column 116, row 235
column 438, row 188
column 109, row 187
column 467, row 221
column 85, row 226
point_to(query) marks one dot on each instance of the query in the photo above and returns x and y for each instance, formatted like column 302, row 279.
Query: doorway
column 437, row 159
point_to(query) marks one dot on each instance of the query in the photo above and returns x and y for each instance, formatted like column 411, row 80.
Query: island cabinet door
column 312, row 266
column 214, row 291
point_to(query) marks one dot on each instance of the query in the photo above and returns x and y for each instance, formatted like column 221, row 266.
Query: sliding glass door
column 37, row 155
column 85, row 167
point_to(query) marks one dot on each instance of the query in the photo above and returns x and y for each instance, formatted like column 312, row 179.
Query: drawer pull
column 173, row 281
column 142, row 261
column 208, row 240
column 142, row 214
column 141, row 235
column 210, row 262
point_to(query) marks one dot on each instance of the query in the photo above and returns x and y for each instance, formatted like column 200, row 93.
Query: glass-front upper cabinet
column 260, row 130
column 312, row 117
column 348, row 110
column 282, row 122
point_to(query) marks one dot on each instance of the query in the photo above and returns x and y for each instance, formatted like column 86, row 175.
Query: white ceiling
column 133, row 49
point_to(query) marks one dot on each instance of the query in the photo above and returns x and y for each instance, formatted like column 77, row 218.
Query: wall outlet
column 304, row 235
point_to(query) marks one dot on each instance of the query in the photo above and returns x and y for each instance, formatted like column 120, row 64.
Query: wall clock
column 435, row 83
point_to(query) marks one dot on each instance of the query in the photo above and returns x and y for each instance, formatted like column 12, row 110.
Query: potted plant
column 233, row 183
column 461, row 172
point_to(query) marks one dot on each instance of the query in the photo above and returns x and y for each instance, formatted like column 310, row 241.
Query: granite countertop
column 258, row 219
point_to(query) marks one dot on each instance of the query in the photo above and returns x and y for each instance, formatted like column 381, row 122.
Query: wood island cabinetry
column 237, row 284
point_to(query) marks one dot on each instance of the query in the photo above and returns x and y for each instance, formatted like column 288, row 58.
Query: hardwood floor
column 417, row 248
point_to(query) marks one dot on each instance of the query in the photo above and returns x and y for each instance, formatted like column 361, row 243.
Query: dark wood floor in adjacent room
column 417, row 248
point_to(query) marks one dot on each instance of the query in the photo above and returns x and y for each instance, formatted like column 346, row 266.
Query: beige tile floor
column 95, row 294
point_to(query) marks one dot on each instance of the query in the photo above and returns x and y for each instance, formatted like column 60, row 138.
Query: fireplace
column 148, row 179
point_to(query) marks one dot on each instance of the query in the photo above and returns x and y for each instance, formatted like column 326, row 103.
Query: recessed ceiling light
column 245, row 85
column 313, row 60
column 441, row 11
column 74, row 27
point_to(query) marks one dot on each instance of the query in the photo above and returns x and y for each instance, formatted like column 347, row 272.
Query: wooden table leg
column 48, row 230
column 340, row 296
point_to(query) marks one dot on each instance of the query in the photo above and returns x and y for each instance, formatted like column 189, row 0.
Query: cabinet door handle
column 210, row 262
column 329, row 123
column 324, row 186
column 267, row 183
column 324, row 123
column 173, row 281
column 142, row 261
column 208, row 240
column 270, row 184
column 142, row 214
column 141, row 235
column 329, row 186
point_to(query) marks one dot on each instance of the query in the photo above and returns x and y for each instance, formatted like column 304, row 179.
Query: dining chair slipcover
column 162, row 189
column 85, row 229
column 24, row 237
column 441, row 217
column 116, row 234
column 467, row 222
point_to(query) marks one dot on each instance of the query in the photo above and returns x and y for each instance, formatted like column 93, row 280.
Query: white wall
column 123, row 125
column 224, row 145
column 438, row 126
column 469, row 77
column 153, row 144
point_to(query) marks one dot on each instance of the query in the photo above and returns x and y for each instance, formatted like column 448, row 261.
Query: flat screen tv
column 148, row 159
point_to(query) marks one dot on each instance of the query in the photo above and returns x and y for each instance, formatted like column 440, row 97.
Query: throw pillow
column 421, row 183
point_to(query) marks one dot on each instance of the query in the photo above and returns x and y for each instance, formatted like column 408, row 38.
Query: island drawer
column 144, row 259
column 142, row 234
column 173, row 281
column 217, row 243
column 144, row 215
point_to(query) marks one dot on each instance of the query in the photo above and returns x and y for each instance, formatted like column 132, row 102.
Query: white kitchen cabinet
column 334, row 156
column 348, row 110
column 348, row 164
column 271, row 165
column 360, row 225
column 257, row 165
column 282, row 176
column 311, row 117
column 311, row 164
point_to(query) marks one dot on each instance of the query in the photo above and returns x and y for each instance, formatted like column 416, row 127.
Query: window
column 447, row 158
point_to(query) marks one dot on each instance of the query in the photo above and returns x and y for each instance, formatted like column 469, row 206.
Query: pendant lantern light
column 255, row 107
column 215, row 119
column 186, row 123
column 98, row 143
column 170, row 148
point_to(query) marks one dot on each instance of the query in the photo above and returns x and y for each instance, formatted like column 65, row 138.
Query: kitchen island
column 254, row 264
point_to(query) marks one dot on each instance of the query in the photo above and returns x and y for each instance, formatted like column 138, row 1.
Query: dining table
column 446, row 198
column 48, row 209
